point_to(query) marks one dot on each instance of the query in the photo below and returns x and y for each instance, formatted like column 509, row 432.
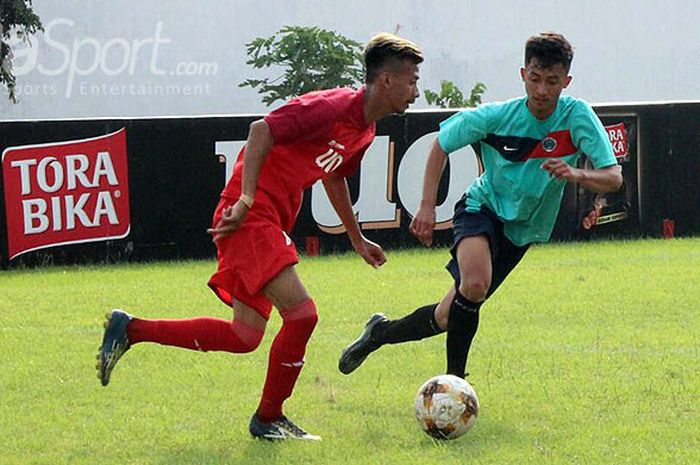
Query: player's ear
column 567, row 81
column 522, row 73
column 385, row 78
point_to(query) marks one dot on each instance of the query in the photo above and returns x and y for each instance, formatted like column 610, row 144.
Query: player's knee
column 303, row 315
column 474, row 289
column 442, row 313
column 441, row 320
column 249, row 336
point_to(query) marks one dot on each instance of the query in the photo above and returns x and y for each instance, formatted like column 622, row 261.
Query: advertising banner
column 135, row 189
column 613, row 212
column 66, row 192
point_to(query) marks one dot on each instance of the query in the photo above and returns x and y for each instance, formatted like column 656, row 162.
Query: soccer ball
column 446, row 407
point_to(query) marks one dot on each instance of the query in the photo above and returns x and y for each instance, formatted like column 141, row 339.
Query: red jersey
column 315, row 134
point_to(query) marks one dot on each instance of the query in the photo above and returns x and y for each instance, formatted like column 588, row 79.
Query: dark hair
column 549, row 48
column 387, row 49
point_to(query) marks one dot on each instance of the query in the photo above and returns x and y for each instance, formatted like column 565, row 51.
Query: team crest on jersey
column 549, row 144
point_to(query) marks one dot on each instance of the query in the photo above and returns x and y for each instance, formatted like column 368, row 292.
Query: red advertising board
column 66, row 192
column 618, row 138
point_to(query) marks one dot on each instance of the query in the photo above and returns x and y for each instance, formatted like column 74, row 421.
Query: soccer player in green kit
column 529, row 148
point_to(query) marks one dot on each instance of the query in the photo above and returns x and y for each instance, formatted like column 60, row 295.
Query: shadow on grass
column 483, row 445
column 244, row 450
column 486, row 440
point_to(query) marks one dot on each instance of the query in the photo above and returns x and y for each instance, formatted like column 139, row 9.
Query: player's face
column 543, row 87
column 403, row 86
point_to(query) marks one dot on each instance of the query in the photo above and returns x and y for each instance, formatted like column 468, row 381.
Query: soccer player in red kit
column 320, row 135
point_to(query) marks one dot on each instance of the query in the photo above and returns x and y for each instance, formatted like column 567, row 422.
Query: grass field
column 588, row 354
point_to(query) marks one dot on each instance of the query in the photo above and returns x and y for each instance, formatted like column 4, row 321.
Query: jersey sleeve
column 464, row 128
column 302, row 119
column 588, row 134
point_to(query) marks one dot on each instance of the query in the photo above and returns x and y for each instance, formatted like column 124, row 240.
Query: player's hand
column 591, row 219
column 371, row 252
column 423, row 224
column 231, row 219
column 562, row 170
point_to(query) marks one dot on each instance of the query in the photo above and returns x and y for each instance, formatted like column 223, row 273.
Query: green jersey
column 513, row 146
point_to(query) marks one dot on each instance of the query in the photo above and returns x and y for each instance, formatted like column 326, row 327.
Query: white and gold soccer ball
column 446, row 407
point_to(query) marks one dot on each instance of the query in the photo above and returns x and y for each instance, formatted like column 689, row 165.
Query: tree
column 311, row 59
column 16, row 16
column 451, row 96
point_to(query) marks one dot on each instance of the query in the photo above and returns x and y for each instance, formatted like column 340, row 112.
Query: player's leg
column 122, row 330
column 299, row 317
column 240, row 335
column 477, row 228
column 434, row 319
column 484, row 262
column 234, row 277
column 379, row 330
column 473, row 255
column 508, row 257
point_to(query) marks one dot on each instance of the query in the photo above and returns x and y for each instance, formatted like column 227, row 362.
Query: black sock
column 413, row 327
column 462, row 324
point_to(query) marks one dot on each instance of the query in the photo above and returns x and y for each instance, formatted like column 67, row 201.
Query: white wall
column 112, row 58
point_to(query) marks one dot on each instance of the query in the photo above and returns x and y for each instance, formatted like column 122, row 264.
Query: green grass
column 588, row 354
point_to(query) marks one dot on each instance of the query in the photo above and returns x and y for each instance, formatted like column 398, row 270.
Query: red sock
column 203, row 334
column 286, row 358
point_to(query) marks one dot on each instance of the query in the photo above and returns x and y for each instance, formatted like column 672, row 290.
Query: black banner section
column 177, row 168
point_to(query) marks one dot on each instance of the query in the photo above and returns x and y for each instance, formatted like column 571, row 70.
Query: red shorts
column 251, row 257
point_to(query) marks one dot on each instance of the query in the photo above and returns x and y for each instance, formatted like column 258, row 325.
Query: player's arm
column 258, row 146
column 457, row 131
column 588, row 133
column 596, row 180
column 423, row 222
column 260, row 140
column 337, row 189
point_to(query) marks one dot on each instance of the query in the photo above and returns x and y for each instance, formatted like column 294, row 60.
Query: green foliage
column 451, row 96
column 16, row 16
column 311, row 59
column 578, row 360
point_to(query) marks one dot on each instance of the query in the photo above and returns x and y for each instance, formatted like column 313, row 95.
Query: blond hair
column 386, row 49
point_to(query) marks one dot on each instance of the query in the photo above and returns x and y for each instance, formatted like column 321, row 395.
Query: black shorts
column 504, row 254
